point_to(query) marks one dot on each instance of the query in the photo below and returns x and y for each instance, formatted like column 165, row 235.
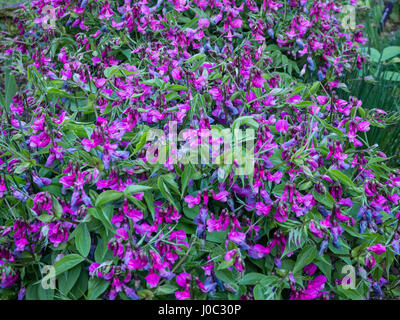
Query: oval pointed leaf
column 67, row 280
column 108, row 196
column 340, row 177
column 136, row 188
column 96, row 287
column 252, row 278
column 306, row 256
column 68, row 262
column 82, row 240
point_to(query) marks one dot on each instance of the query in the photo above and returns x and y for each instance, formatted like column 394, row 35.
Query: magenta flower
column 152, row 279
column 237, row 237
column 280, row 213
column 230, row 254
column 183, row 280
column 310, row 269
column 263, row 209
column 258, row 251
column 370, row 261
column 363, row 126
column 377, row 248
column 94, row 270
column 3, row 187
column 276, row 177
column 57, row 233
column 315, row 231
column 101, row 102
column 182, row 295
column 313, row 290
column 176, row 74
column 221, row 196
column 295, row 99
column 204, row 23
column 42, row 202
column 192, row 201
column 121, row 233
column 282, row 126
column 216, row 93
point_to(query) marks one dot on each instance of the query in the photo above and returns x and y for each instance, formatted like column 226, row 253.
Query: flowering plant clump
column 314, row 215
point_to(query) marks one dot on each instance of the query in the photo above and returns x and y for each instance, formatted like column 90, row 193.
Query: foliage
column 79, row 193
column 377, row 83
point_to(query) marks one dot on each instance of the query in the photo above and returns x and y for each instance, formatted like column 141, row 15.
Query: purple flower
column 310, row 269
column 282, row 126
column 377, row 248
column 203, row 23
column 295, row 99
column 263, row 209
column 192, row 201
column 152, row 279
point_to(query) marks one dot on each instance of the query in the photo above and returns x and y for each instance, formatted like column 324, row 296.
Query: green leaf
column 153, row 82
column 142, row 141
column 149, row 199
column 57, row 208
column 46, row 218
column 114, row 70
column 171, row 96
column 314, row 89
column 60, row 93
column 191, row 213
column 390, row 52
column 331, row 128
column 247, row 120
column 82, row 239
column 145, row 294
column 391, row 76
column 81, row 285
column 32, row 292
column 377, row 273
column 170, row 180
column 68, row 262
column 96, row 287
column 187, row 174
column 10, row 87
column 177, row 87
column 217, row 236
column 252, row 278
column 373, row 54
column 340, row 177
column 225, row 276
column 136, row 188
column 225, row 264
column 258, row 292
column 270, row 280
column 166, row 289
column 45, row 294
column 195, row 57
column 100, row 251
column 167, row 194
column 326, row 199
column 139, row 204
column 67, row 279
column 389, row 260
column 101, row 215
column 325, row 265
column 108, row 196
column 306, row 256
column 350, row 293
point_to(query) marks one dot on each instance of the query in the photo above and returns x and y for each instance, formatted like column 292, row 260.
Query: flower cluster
column 79, row 191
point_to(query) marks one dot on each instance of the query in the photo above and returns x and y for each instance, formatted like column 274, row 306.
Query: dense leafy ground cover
column 377, row 83
column 78, row 192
